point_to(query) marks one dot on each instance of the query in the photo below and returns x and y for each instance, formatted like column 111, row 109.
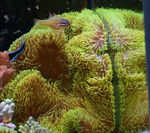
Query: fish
column 15, row 54
column 54, row 22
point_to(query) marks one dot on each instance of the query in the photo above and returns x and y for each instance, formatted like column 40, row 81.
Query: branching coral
column 4, row 59
column 6, row 113
column 33, row 126
column 7, row 130
column 6, row 70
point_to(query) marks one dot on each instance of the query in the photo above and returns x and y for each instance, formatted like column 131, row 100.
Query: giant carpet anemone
column 99, row 48
column 44, row 51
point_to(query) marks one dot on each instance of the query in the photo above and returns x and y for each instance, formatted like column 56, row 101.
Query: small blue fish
column 14, row 55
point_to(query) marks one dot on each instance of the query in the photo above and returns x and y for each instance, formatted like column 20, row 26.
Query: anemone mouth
column 46, row 53
column 98, row 40
column 52, row 61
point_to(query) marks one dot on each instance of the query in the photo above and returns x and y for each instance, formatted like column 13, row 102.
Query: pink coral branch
column 6, row 70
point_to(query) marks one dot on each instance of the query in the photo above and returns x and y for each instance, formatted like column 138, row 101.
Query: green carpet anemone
column 87, row 78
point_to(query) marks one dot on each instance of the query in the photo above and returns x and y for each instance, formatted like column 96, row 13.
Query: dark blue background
column 16, row 16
